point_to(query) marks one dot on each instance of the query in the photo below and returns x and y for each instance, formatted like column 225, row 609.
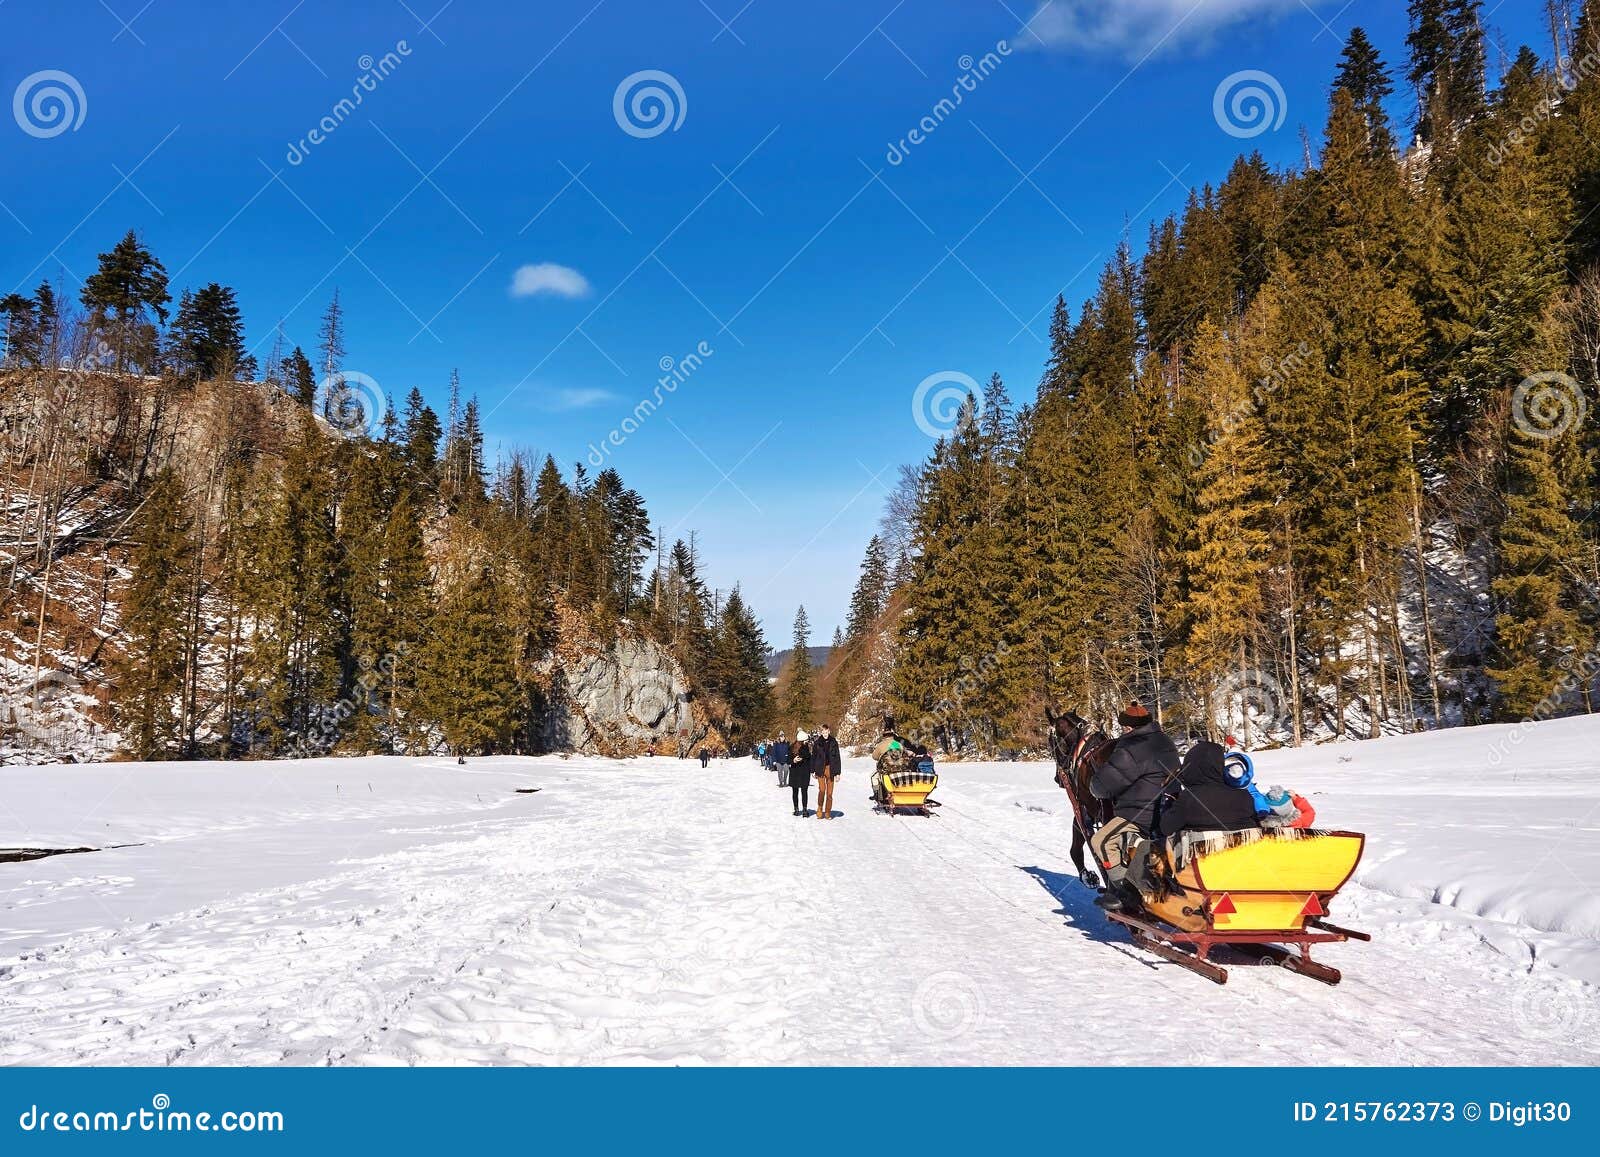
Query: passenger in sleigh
column 1208, row 810
column 1207, row 799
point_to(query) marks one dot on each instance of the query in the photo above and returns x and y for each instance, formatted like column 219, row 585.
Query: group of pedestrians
column 797, row 764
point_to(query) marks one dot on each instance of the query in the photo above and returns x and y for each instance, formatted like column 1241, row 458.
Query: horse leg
column 1084, row 874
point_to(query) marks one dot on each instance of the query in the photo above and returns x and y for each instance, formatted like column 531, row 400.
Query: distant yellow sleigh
column 907, row 791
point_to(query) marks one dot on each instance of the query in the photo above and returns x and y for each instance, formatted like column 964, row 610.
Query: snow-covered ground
column 381, row 911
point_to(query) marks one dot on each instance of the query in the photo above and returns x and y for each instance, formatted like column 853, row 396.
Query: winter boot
column 1112, row 899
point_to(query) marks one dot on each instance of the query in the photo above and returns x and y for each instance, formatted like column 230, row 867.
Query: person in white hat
column 800, row 771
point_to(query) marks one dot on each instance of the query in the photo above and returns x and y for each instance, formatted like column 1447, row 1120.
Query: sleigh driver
column 1132, row 780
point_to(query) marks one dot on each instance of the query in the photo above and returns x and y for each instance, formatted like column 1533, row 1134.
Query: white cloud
column 548, row 279
column 575, row 398
column 1135, row 28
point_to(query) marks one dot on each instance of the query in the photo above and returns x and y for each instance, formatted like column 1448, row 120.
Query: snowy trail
column 651, row 913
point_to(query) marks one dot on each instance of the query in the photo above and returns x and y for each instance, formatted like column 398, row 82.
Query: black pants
column 801, row 793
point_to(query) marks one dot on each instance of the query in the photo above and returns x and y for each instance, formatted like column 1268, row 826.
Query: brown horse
column 1078, row 749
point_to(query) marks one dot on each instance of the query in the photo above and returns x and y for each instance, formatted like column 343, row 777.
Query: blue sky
column 485, row 207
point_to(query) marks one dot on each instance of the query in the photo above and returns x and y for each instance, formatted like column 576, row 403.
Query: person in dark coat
column 827, row 763
column 1207, row 800
column 780, row 759
column 1139, row 770
column 705, row 757
column 800, row 762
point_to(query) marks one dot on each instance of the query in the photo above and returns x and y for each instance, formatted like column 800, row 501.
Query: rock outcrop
column 626, row 696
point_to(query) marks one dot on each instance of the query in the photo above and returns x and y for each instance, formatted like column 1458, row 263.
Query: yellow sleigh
column 908, row 791
column 1260, row 892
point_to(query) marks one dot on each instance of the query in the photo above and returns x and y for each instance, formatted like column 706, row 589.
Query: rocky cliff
column 619, row 697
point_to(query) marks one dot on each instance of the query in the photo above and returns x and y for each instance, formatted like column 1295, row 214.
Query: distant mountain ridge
column 776, row 659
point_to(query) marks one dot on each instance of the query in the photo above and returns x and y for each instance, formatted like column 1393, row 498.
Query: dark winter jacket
column 780, row 752
column 1141, row 766
column 800, row 763
column 705, row 757
column 1206, row 799
column 825, row 750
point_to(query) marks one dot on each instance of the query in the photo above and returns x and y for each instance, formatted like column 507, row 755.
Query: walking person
column 799, row 770
column 828, row 762
column 780, row 759
column 705, row 758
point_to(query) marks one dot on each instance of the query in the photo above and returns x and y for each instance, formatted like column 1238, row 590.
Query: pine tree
column 408, row 600
column 150, row 674
column 48, row 312
column 1498, row 266
column 469, row 673
column 294, row 595
column 799, row 698
column 1538, row 634
column 330, row 340
column 1447, row 65
column 1364, row 76
column 738, row 671
column 1231, row 545
column 123, row 295
column 207, row 337
column 419, row 434
column 871, row 593
column 299, row 379
column 22, row 324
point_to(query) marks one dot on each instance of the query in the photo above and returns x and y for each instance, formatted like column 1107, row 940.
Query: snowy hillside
column 412, row 911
